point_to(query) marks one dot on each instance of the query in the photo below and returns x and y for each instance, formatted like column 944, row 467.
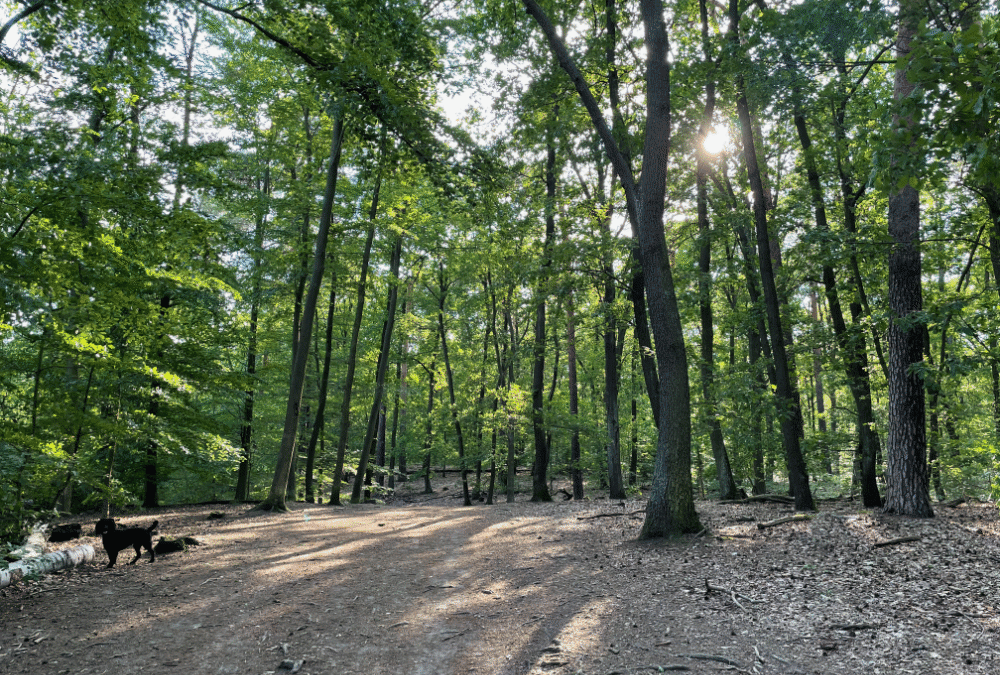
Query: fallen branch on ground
column 713, row 657
column 892, row 542
column 798, row 517
column 733, row 593
column 854, row 626
column 611, row 515
column 778, row 499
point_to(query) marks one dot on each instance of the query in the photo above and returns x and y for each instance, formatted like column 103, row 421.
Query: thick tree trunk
column 907, row 480
column 670, row 509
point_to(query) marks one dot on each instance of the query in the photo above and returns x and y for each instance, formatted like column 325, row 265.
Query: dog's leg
column 138, row 554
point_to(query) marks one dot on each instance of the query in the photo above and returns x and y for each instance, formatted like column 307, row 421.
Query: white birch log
column 49, row 562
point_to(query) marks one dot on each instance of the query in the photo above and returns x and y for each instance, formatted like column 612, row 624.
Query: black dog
column 115, row 540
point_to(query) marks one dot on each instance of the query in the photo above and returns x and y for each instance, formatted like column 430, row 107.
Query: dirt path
column 513, row 589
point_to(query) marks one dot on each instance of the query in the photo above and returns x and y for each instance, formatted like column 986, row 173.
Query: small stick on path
column 798, row 517
column 893, row 542
column 611, row 515
column 713, row 657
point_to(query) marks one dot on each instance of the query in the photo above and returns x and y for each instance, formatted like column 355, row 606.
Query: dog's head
column 105, row 525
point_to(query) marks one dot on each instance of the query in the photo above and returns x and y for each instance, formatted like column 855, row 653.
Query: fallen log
column 798, row 517
column 49, row 562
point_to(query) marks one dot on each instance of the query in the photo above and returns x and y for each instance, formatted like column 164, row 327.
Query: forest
column 275, row 250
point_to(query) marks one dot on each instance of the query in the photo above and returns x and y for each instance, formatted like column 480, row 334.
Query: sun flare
column 715, row 142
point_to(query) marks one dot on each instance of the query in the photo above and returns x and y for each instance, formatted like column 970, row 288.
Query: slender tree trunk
column 276, row 497
column 539, row 476
column 907, row 484
column 246, row 428
column 637, row 294
column 727, row 485
column 381, row 369
column 429, row 433
column 787, row 393
column 352, row 357
column 151, row 497
column 380, row 446
column 576, row 471
column 509, row 348
column 851, row 343
column 319, row 424
column 443, row 334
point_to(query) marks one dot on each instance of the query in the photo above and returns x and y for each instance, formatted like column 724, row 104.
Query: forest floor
column 425, row 586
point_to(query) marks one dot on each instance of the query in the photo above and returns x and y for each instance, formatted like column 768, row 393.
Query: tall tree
column 670, row 510
column 787, row 391
column 276, row 497
column 907, row 478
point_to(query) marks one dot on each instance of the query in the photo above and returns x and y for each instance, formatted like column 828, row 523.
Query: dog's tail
column 153, row 526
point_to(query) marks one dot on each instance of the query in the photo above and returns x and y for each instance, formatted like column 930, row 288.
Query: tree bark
column 319, row 423
column 670, row 509
column 907, row 479
column 576, row 471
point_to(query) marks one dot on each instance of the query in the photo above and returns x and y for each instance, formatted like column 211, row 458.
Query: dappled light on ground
column 430, row 588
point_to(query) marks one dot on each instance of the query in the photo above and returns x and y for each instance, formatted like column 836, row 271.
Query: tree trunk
column 352, row 356
column 319, row 424
column 380, row 446
column 539, row 475
column 907, row 480
column 670, row 510
column 276, row 498
column 637, row 294
column 443, row 334
column 576, row 471
column 727, row 485
column 381, row 370
column 246, row 428
column 151, row 496
column 429, row 433
column 787, row 393
column 851, row 343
